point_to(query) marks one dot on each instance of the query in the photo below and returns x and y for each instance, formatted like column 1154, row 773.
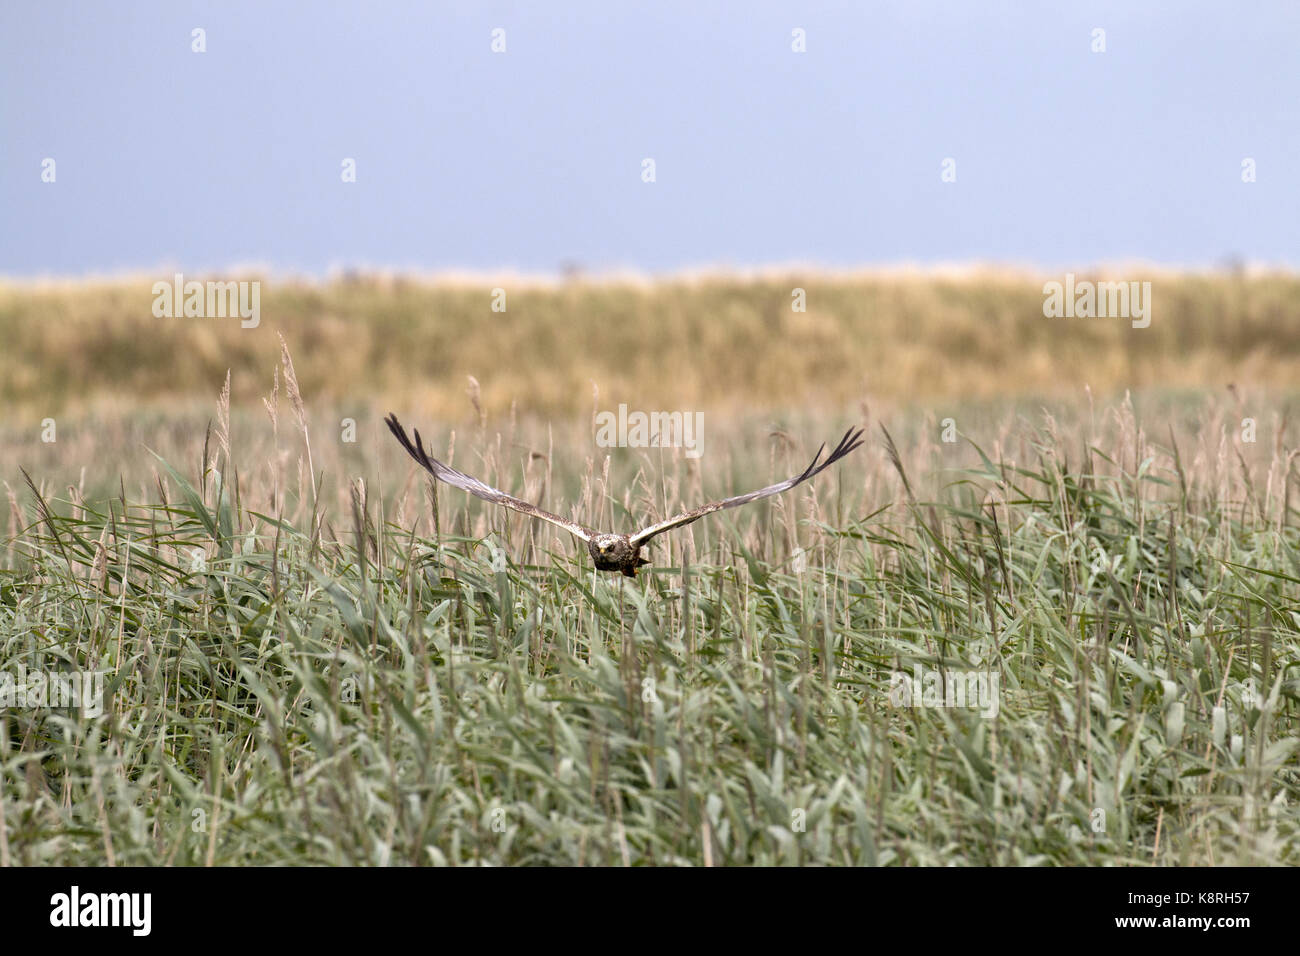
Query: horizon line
column 576, row 274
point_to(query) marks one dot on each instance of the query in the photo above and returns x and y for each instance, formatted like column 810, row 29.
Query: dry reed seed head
column 15, row 512
column 223, row 418
column 473, row 391
column 782, row 439
column 273, row 403
column 291, row 385
column 98, row 577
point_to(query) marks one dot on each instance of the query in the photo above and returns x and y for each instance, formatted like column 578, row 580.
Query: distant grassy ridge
column 707, row 343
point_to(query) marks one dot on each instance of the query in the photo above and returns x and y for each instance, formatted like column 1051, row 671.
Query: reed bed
column 313, row 655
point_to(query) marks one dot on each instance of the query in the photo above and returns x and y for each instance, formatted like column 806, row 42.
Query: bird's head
column 610, row 550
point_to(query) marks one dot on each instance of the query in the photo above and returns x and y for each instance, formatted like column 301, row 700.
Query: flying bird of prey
column 611, row 552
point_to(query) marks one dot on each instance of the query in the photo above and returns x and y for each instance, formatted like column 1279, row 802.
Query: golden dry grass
column 719, row 344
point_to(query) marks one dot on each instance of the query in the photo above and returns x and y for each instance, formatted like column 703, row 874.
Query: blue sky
column 529, row 159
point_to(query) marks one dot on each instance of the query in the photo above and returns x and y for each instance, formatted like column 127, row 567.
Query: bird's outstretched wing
column 851, row 440
column 475, row 487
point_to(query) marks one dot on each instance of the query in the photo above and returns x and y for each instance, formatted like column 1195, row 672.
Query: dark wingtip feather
column 855, row 442
column 813, row 468
column 851, row 440
column 416, row 450
column 421, row 455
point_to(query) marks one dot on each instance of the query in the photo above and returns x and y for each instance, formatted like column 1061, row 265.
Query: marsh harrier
column 612, row 552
